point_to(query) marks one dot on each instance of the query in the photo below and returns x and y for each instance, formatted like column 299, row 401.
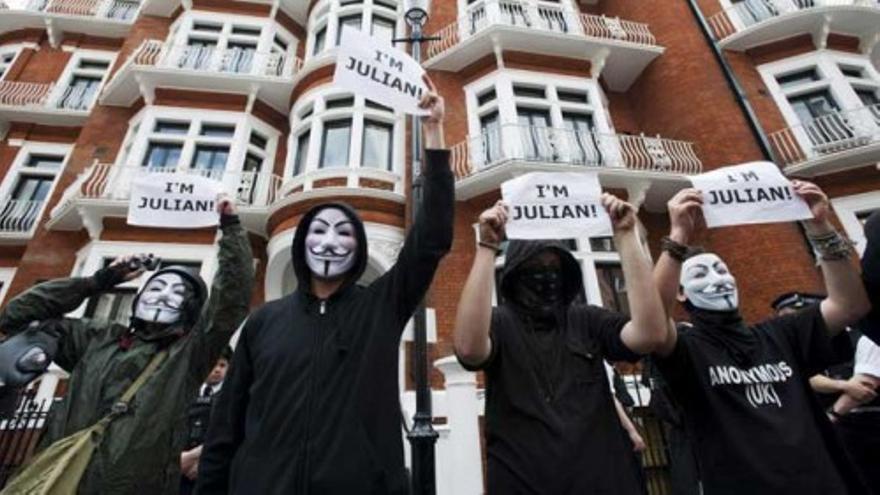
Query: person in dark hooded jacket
column 139, row 453
column 870, row 325
column 551, row 424
column 311, row 405
column 744, row 389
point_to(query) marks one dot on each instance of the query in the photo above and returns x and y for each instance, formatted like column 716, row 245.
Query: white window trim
column 327, row 13
column 847, row 207
column 67, row 75
column 90, row 259
column 17, row 49
column 316, row 100
column 826, row 62
column 27, row 149
column 6, row 276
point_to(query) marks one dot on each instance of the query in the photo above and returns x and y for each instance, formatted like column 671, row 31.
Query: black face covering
column 539, row 290
column 728, row 330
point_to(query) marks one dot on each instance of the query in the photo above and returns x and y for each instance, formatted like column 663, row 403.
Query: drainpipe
column 740, row 94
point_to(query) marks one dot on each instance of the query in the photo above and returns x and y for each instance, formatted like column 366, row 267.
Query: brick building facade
column 94, row 91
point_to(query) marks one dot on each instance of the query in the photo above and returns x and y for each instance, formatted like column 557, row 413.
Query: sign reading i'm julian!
column 379, row 72
column 175, row 201
column 555, row 206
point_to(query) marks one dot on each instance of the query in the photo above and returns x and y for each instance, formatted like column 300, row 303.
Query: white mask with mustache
column 162, row 299
column 708, row 284
column 331, row 244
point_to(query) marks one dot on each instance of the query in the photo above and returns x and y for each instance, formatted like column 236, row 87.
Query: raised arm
column 684, row 213
column 847, row 301
column 430, row 236
column 647, row 328
column 231, row 289
column 473, row 319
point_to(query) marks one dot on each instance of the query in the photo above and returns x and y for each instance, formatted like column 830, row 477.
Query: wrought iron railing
column 744, row 15
column 837, row 132
column 568, row 147
column 18, row 93
column 121, row 10
column 540, row 17
column 20, row 433
column 235, row 60
column 19, row 215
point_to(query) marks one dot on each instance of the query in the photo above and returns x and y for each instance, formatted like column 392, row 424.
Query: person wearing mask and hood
column 311, row 404
column 551, row 423
column 173, row 312
column 744, row 389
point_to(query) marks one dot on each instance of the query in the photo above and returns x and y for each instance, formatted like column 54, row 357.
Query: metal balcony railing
column 122, row 10
column 569, row 147
column 106, row 181
column 837, row 132
column 18, row 215
column 205, row 58
column 546, row 18
column 24, row 94
column 748, row 13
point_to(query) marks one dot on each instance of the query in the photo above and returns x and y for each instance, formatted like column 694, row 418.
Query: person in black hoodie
column 311, row 405
column 551, row 425
column 870, row 326
column 744, row 389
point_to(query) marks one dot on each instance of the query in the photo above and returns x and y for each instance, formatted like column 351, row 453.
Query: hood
column 191, row 311
column 519, row 251
column 298, row 248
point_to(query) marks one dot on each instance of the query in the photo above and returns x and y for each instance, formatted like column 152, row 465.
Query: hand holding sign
column 816, row 199
column 492, row 222
column 685, row 214
column 622, row 214
column 432, row 123
column 226, row 205
column 171, row 200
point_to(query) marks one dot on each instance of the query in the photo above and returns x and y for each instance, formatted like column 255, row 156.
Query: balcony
column 155, row 64
column 831, row 143
column 18, row 219
column 104, row 18
column 483, row 162
column 103, row 190
column 753, row 23
column 37, row 103
column 618, row 49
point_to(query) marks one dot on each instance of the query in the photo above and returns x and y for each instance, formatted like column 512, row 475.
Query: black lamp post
column 422, row 436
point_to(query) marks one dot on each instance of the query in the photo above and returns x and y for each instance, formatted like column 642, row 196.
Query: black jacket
column 871, row 276
column 311, row 404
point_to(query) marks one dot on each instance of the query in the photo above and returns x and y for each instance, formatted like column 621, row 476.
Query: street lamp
column 422, row 436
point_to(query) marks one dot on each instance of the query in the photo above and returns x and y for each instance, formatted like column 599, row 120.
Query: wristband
column 676, row 250
column 493, row 247
column 831, row 246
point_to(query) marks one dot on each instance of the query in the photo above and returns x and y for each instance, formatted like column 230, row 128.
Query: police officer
column 197, row 419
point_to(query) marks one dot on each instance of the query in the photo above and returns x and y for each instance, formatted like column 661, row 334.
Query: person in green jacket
column 140, row 451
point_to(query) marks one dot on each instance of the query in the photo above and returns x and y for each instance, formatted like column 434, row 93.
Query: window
column 162, row 155
column 377, row 145
column 579, row 139
column 320, row 41
column 84, row 77
column 612, row 287
column 211, row 160
column 352, row 21
column 217, row 130
column 123, row 10
column 7, row 57
column 798, row 78
column 302, row 152
column 486, row 97
column 529, row 92
column 853, row 211
column 490, row 131
column 382, row 29
column 378, row 18
column 533, row 124
column 166, row 127
column 335, row 144
column 28, row 185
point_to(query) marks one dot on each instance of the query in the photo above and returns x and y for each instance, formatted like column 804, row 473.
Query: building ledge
column 34, row 103
column 264, row 76
column 102, row 18
column 619, row 50
column 758, row 22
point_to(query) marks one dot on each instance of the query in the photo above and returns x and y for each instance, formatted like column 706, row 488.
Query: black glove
column 27, row 355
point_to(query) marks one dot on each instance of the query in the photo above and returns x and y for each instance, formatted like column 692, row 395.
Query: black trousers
column 860, row 433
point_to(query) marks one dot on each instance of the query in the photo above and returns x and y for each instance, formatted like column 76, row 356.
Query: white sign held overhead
column 555, row 206
column 176, row 201
column 379, row 72
column 754, row 192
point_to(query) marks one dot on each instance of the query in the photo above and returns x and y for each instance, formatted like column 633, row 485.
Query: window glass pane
column 340, row 103
column 165, row 127
column 486, row 97
column 798, row 78
column 852, row 71
column 31, row 188
column 602, row 245
column 383, row 29
column 335, row 143
column 252, row 163
column 79, row 93
column 377, row 145
column 44, row 161
column 258, row 140
column 579, row 139
column 162, row 155
column 217, row 130
column 320, row 40
column 812, row 105
column 353, row 21
column 246, row 30
column 868, row 96
column 211, row 158
column 239, row 57
column 93, row 64
column 302, row 152
column 208, row 27
column 612, row 287
column 572, row 96
column 386, row 4
column 490, row 131
column 114, row 306
column 377, row 106
column 528, row 92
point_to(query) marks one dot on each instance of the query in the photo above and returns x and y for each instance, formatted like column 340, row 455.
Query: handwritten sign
column 755, row 192
column 173, row 201
column 379, row 72
column 555, row 206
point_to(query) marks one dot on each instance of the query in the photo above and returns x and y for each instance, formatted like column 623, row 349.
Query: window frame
column 72, row 70
column 19, row 168
column 327, row 15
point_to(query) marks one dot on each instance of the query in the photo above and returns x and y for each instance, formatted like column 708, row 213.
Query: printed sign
column 173, row 201
column 555, row 206
column 755, row 192
column 379, row 72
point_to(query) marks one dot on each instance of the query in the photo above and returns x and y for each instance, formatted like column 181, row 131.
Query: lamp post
column 421, row 436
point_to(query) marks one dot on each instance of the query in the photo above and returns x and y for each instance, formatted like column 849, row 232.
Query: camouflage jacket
column 140, row 452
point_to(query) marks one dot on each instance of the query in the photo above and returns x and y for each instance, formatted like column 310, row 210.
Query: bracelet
column 831, row 246
column 493, row 247
column 831, row 412
column 676, row 250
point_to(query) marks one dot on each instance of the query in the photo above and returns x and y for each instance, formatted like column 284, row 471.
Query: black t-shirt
column 551, row 426
column 756, row 430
